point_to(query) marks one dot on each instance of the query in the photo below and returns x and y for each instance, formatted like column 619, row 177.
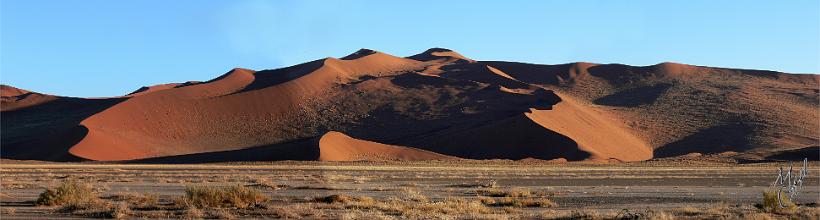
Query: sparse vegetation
column 495, row 192
column 772, row 205
column 387, row 195
column 477, row 184
column 192, row 212
column 521, row 202
column 121, row 210
column 266, row 183
column 136, row 199
column 343, row 199
column 232, row 196
column 70, row 192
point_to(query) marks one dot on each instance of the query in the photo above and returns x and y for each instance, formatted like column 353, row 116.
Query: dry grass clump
column 414, row 194
column 344, row 199
column 70, row 192
column 520, row 202
column 807, row 213
column 192, row 212
column 232, row 196
column 79, row 198
column 771, row 204
column 120, row 210
column 484, row 184
column 493, row 192
column 8, row 211
column 222, row 214
column 136, row 200
column 410, row 208
column 517, row 197
column 266, row 183
column 449, row 206
column 726, row 211
column 359, row 214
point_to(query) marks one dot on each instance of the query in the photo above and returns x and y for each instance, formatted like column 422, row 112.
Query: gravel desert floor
column 418, row 190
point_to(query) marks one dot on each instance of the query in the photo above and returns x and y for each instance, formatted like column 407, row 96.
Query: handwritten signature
column 790, row 183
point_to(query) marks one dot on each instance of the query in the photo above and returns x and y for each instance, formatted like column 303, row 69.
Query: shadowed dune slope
column 437, row 104
column 12, row 98
column 679, row 108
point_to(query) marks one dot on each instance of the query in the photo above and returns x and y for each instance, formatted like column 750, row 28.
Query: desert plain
column 681, row 188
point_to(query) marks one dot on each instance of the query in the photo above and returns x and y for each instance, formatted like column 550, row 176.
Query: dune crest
column 13, row 98
column 9, row 91
column 441, row 55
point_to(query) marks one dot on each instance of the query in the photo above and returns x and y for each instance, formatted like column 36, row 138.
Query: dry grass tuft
column 771, row 204
column 121, row 210
column 232, row 196
column 485, row 184
column 521, row 202
column 493, row 192
column 70, row 192
column 266, row 183
column 136, row 200
column 8, row 211
column 344, row 199
column 414, row 194
column 192, row 212
column 410, row 208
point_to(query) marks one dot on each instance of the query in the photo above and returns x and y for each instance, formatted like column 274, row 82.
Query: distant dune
column 436, row 105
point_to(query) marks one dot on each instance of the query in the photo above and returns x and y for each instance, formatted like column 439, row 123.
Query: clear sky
column 106, row 48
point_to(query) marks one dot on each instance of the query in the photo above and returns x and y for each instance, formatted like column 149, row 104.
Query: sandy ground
column 602, row 188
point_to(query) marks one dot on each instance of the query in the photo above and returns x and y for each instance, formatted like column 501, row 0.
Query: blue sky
column 101, row 48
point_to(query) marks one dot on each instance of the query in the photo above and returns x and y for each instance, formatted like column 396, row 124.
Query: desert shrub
column 770, row 203
column 69, row 192
column 232, row 196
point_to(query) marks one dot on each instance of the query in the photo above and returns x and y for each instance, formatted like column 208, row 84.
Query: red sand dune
column 9, row 91
column 335, row 146
column 12, row 98
column 595, row 132
column 437, row 104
